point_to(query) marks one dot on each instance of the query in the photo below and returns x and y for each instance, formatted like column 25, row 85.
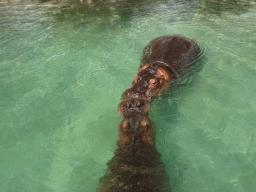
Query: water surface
column 63, row 68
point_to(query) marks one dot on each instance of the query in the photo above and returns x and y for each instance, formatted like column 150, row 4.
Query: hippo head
column 151, row 81
column 133, row 106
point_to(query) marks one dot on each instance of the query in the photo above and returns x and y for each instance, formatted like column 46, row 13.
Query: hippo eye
column 135, row 79
column 153, row 83
column 128, row 104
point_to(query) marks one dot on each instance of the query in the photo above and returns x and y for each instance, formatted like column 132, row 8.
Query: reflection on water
column 64, row 66
column 219, row 6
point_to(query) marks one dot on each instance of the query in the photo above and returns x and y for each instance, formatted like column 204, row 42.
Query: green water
column 63, row 69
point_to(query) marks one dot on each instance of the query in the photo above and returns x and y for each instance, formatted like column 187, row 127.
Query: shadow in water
column 105, row 14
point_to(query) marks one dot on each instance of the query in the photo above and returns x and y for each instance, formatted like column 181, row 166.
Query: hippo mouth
column 134, row 105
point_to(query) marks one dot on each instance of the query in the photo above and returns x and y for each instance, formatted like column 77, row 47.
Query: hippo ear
column 144, row 67
column 135, row 79
column 163, row 73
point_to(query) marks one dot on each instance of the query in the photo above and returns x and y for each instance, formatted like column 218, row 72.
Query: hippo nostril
column 137, row 103
column 129, row 105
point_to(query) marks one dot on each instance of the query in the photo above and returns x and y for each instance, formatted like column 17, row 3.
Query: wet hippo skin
column 164, row 59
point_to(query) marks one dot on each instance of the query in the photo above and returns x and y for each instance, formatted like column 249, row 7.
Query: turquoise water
column 64, row 67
